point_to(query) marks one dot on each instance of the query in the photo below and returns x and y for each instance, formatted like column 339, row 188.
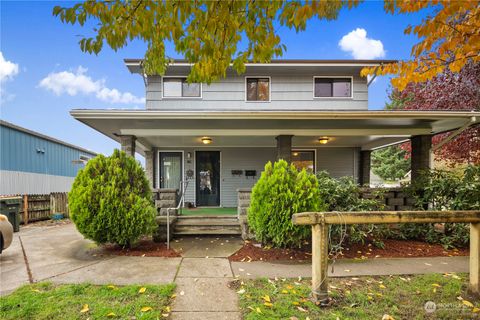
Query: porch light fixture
column 323, row 140
column 206, row 140
column 295, row 154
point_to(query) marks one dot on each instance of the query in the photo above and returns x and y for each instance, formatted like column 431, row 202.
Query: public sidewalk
column 59, row 254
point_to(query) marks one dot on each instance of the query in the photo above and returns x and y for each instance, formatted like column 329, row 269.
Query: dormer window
column 180, row 88
column 332, row 87
column 257, row 89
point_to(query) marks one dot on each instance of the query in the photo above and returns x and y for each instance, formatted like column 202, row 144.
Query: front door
column 207, row 164
column 171, row 170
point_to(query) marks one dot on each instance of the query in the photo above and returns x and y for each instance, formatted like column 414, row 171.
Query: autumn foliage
column 449, row 39
column 447, row 91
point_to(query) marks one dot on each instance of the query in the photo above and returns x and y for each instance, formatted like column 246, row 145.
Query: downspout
column 455, row 133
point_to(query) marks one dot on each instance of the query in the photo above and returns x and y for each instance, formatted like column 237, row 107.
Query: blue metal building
column 33, row 163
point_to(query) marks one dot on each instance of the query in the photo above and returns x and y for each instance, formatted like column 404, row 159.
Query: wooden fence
column 37, row 207
column 320, row 222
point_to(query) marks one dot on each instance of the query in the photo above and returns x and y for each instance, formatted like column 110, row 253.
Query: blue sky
column 39, row 52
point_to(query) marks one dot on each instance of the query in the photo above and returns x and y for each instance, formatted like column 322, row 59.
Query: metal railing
column 181, row 202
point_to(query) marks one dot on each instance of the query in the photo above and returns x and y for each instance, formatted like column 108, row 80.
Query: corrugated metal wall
column 27, row 159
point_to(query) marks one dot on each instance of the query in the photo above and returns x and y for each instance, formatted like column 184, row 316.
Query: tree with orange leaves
column 449, row 40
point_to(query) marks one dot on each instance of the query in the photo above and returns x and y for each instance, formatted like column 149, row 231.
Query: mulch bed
column 393, row 249
column 144, row 248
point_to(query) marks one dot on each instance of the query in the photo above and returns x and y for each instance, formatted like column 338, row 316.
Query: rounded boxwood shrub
column 280, row 192
column 111, row 200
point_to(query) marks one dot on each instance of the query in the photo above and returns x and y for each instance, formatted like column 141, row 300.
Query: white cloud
column 360, row 46
column 8, row 69
column 78, row 82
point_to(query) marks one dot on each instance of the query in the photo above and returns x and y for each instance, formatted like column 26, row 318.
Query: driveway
column 60, row 254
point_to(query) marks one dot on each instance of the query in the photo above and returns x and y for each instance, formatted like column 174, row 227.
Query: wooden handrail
column 321, row 220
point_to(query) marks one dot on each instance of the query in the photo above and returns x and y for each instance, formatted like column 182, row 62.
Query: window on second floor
column 258, row 89
column 180, row 88
column 332, row 87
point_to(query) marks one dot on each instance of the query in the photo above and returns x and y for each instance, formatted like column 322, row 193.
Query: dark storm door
column 207, row 164
column 171, row 170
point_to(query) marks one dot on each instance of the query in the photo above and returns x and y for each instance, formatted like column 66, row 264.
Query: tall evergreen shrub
column 111, row 200
column 280, row 192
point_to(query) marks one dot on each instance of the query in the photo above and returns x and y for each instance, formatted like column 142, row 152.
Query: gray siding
column 337, row 161
column 287, row 93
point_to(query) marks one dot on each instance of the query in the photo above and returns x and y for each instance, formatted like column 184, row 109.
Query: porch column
column 420, row 160
column 149, row 168
column 128, row 144
column 284, row 147
column 365, row 163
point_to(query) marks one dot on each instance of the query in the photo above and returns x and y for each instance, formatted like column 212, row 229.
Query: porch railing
column 183, row 185
column 320, row 222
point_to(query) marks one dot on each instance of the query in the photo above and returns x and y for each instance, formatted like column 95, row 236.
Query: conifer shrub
column 111, row 200
column 280, row 192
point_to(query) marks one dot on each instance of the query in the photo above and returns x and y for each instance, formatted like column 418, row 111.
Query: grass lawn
column 361, row 298
column 209, row 211
column 46, row 300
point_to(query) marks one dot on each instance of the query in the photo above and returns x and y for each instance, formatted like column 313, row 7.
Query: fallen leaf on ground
column 468, row 303
column 436, row 285
column 111, row 287
column 476, row 310
column 266, row 298
column 241, row 270
column 36, row 290
column 268, row 304
column 182, row 293
column 111, row 315
column 142, row 290
column 301, row 309
column 146, row 309
column 241, row 291
column 387, row 317
column 85, row 308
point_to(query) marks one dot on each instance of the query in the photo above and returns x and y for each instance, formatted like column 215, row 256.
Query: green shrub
column 444, row 190
column 344, row 194
column 111, row 200
column 280, row 192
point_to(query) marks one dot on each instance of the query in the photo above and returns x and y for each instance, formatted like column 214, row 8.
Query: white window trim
column 269, row 89
column 183, row 98
column 332, row 77
column 159, row 163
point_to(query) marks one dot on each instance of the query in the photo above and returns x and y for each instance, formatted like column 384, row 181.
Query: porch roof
column 176, row 128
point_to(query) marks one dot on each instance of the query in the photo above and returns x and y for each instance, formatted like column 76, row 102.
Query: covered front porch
column 212, row 154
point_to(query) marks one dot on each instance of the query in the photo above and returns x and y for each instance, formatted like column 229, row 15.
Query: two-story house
column 218, row 137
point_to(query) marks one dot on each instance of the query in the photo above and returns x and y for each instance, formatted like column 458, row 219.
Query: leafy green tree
column 280, row 192
column 390, row 163
column 207, row 33
column 111, row 200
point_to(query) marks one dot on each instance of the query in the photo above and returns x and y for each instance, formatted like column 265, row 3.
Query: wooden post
column 25, row 209
column 319, row 262
column 475, row 258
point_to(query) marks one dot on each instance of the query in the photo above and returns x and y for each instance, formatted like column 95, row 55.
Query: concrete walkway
column 59, row 254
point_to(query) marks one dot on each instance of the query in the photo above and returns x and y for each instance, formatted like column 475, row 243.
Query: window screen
column 333, row 87
column 258, row 89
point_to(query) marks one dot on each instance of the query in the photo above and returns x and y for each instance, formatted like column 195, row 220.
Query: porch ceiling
column 366, row 129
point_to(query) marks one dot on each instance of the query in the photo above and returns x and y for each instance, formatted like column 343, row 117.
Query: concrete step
column 207, row 232
column 206, row 222
column 225, row 216
column 207, row 228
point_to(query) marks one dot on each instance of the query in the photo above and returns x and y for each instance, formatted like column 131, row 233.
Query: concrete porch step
column 205, row 222
column 207, row 232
